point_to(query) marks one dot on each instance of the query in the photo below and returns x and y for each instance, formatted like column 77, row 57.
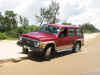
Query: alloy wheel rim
column 48, row 52
column 77, row 47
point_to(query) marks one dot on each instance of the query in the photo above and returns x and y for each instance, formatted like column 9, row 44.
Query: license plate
column 26, row 47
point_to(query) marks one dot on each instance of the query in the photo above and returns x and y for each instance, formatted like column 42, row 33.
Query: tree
column 54, row 8
column 2, row 29
column 49, row 15
column 88, row 28
column 9, row 24
column 10, row 18
column 8, row 21
column 40, row 18
column 23, row 21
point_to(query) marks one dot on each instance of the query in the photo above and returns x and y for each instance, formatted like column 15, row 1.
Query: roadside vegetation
column 12, row 24
column 89, row 28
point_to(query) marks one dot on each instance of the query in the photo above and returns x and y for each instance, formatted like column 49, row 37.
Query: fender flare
column 50, row 43
column 78, row 41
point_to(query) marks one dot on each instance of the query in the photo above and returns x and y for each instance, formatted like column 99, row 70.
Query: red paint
column 43, row 36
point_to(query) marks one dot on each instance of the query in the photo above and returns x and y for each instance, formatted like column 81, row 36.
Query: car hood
column 42, row 36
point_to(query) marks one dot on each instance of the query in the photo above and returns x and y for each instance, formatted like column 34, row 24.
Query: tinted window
column 78, row 32
column 63, row 33
column 71, row 32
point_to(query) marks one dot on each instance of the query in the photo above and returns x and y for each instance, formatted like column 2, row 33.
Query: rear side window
column 78, row 32
column 71, row 32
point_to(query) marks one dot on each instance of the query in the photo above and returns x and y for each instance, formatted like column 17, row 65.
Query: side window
column 71, row 32
column 63, row 33
column 78, row 32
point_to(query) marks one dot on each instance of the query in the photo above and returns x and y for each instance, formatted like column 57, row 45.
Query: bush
column 89, row 28
column 19, row 30
column 3, row 36
column 27, row 29
column 12, row 33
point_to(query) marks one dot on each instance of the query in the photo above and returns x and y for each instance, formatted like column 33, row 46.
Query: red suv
column 52, row 38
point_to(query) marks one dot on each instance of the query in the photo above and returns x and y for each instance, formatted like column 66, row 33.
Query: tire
column 77, row 47
column 24, row 50
column 48, row 52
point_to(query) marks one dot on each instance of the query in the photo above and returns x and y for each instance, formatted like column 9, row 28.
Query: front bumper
column 19, row 43
column 35, row 49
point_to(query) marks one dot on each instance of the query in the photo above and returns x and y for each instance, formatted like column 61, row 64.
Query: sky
column 74, row 11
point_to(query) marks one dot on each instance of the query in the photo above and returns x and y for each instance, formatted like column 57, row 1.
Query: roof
column 63, row 26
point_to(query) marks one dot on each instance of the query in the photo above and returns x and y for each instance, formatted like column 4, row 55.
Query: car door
column 63, row 41
column 71, row 36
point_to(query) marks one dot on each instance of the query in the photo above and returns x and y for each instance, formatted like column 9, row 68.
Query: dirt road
column 65, row 63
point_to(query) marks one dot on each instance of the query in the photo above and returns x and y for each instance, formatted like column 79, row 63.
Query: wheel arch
column 50, row 44
column 78, row 41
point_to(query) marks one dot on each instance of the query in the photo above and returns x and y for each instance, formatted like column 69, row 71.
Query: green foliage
column 8, row 21
column 10, row 14
column 9, row 24
column 32, row 28
column 48, row 15
column 89, row 28
column 11, row 19
column 23, row 21
column 64, row 23
column 20, row 30
column 3, row 36
column 12, row 33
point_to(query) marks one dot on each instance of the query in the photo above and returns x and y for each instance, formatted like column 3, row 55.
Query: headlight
column 20, row 38
column 39, row 44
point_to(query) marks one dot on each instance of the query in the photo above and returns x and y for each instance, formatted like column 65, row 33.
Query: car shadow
column 34, row 57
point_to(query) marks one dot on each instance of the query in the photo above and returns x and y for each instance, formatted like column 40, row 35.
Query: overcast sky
column 74, row 11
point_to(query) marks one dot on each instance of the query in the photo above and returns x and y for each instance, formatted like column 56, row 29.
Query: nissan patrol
column 52, row 38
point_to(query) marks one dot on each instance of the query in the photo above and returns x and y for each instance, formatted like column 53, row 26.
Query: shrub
column 32, row 28
column 12, row 33
column 89, row 28
column 19, row 30
column 3, row 36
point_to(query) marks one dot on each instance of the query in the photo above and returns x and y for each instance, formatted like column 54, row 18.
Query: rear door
column 64, row 41
column 71, row 36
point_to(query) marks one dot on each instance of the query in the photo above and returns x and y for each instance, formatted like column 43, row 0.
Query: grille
column 28, row 41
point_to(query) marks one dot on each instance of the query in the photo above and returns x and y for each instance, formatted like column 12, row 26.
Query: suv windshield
column 49, row 29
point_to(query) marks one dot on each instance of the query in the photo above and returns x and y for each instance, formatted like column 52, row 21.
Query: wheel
column 25, row 50
column 48, row 52
column 77, row 47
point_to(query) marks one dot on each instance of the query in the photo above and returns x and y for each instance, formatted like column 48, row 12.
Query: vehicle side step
column 64, row 50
